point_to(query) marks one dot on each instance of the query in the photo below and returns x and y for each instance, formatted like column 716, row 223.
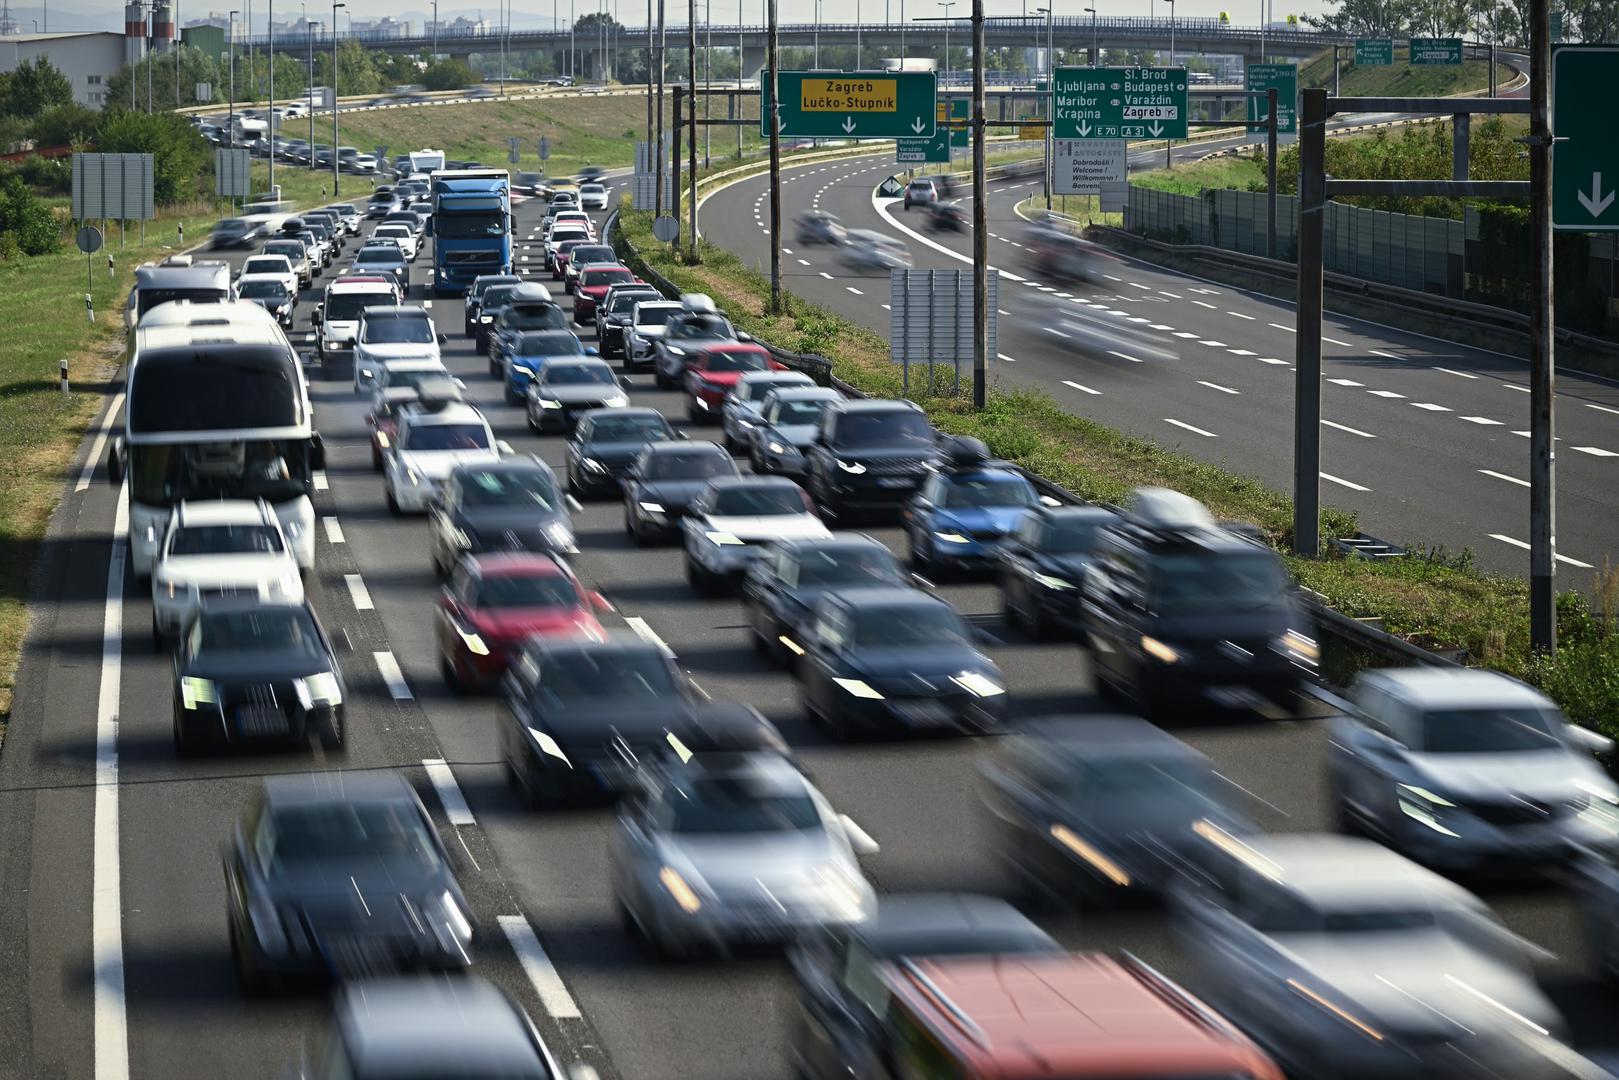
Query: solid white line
column 1189, row 427
column 1272, row 360
column 1460, row 374
column 1521, row 544
column 334, row 530
column 1600, row 408
column 1391, row 356
column 106, row 888
column 100, row 441
column 388, row 667
column 1594, row 451
column 320, row 480
column 1082, row 389
column 1240, row 315
column 1483, row 420
column 449, row 792
column 1200, row 303
column 1172, row 296
column 1008, row 359
column 1217, row 386
column 1429, row 406
column 1289, row 329
column 1504, row 476
column 542, row 974
column 826, row 275
column 358, row 592
column 649, row 635
column 1346, row 483
column 1352, row 431
column 1124, row 356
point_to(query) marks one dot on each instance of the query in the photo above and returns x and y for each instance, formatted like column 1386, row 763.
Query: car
column 647, row 322
column 593, row 196
column 386, row 404
column 326, row 235
column 1178, row 610
column 1043, row 563
column 947, row 217
column 613, row 311
column 528, row 307
column 782, row 586
column 361, row 163
column 407, row 217
column 920, row 192
column 818, row 227
column 604, row 445
column 711, row 373
column 349, row 215
column 337, row 317
column 588, row 173
column 531, row 351
column 278, row 267
column 414, row 373
column 332, row 223
column 389, row 333
column 496, row 602
column 869, row 454
column 735, row 519
column 863, row 250
column 566, row 388
column 694, row 329
column 663, row 480
column 561, row 195
column 381, row 203
column 836, row 1019
column 296, row 254
column 1467, row 770
column 233, row 233
column 1342, row 958
column 384, row 258
column 891, row 660
column 592, row 286
column 739, row 413
column 744, row 852
column 961, row 515
column 784, row 426
column 528, row 183
column 560, row 217
column 226, row 548
column 491, row 303
column 423, row 209
column 510, row 505
column 563, row 240
column 249, row 671
column 472, row 300
column 268, row 291
column 582, row 258
column 400, row 232
column 431, row 442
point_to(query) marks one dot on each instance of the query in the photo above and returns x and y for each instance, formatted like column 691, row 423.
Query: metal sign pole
column 1270, row 173
column 1542, row 362
column 1307, row 342
column 657, row 192
column 775, row 160
column 980, row 219
column 691, row 115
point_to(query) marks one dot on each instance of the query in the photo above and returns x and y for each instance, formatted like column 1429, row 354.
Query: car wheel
column 182, row 745
column 252, row 981
column 921, row 558
column 1030, row 621
column 482, row 346
column 633, row 529
column 332, row 733
column 624, row 363
column 494, row 366
column 513, row 397
column 663, row 381
column 699, row 578
column 393, row 503
column 466, row 327
column 533, row 424
column 452, row 677
column 157, row 636
column 376, row 458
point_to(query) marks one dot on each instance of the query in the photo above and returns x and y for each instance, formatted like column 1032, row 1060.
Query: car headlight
column 559, row 534
column 676, row 349
column 549, row 746
column 842, row 892
column 593, row 465
column 851, row 466
column 195, row 691
column 616, row 403
column 365, row 373
column 413, row 476
column 382, row 439
column 455, row 919
column 1158, row 650
column 1424, row 806
column 682, row 893
column 652, row 507
column 1053, row 582
column 859, row 689
column 777, row 448
column 978, row 685
column 724, row 538
column 524, row 368
column 318, row 689
column 549, row 403
column 486, row 318
column 952, row 537
column 1298, row 647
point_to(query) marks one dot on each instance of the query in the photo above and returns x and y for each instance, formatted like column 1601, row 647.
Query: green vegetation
column 1400, row 79
column 1233, row 171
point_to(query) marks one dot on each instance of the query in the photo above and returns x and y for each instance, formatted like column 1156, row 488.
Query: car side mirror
column 624, row 381
column 317, row 451
column 743, row 335
column 1047, row 500
column 504, row 447
column 591, row 351
column 1591, row 741
column 444, row 339
column 860, row 841
column 315, row 316
column 682, row 435
column 598, row 601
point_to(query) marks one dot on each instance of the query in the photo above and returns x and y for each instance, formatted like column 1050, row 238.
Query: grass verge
column 1400, row 79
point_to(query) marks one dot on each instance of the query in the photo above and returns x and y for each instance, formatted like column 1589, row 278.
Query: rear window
column 225, row 540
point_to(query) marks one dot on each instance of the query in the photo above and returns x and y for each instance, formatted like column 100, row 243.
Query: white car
column 277, row 266
column 593, row 196
column 400, row 232
column 431, row 440
column 386, row 334
column 569, row 217
column 561, row 235
column 735, row 518
column 234, row 547
column 363, row 163
column 647, row 324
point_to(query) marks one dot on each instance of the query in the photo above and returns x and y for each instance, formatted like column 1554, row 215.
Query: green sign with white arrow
column 1119, row 103
column 1585, row 157
column 853, row 105
column 1374, row 52
column 1427, row 52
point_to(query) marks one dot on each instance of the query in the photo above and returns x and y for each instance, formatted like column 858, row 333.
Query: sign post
column 545, row 148
column 1374, row 52
column 1429, row 52
column 1585, row 157
column 1087, row 166
column 856, row 105
column 1285, row 78
column 1119, row 103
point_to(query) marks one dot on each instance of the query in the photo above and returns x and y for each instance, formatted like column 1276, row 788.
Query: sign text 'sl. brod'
column 1119, row 103
column 848, row 95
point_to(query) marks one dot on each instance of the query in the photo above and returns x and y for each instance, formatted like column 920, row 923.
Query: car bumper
column 352, row 956
column 1482, row 846
column 953, row 712
column 229, row 725
column 723, row 560
column 719, row 925
column 875, row 491
column 975, row 554
column 414, row 498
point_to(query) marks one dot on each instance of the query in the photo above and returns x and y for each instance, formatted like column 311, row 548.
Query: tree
column 448, row 75
column 356, row 74
column 64, row 125
column 1370, row 18
column 27, row 220
column 180, row 156
column 35, row 86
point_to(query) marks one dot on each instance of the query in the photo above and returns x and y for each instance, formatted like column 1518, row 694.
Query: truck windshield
column 469, row 225
column 151, row 298
column 273, row 469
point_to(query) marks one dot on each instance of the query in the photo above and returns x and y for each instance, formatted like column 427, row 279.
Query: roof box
column 1170, row 511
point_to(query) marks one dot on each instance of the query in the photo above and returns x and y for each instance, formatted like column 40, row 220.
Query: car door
column 634, row 849
column 1017, row 557
column 822, row 659
column 1376, row 759
column 919, row 513
column 824, row 1024
column 440, row 519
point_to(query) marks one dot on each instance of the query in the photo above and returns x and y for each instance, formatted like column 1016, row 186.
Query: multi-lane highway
column 112, row 903
column 1426, row 439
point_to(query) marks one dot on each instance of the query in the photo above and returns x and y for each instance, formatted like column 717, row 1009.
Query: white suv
column 647, row 325
column 400, row 332
column 234, row 547
column 431, row 440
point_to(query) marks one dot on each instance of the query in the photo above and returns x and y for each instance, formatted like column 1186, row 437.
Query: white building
column 87, row 57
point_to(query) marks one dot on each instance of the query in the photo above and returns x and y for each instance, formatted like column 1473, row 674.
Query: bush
column 63, row 125
column 181, row 159
column 47, row 176
column 449, row 75
column 9, row 251
column 29, row 221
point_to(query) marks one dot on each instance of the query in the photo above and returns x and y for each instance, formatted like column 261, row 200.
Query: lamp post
column 1171, row 4
column 817, row 62
column 230, row 124
column 252, row 58
column 309, row 92
column 947, row 5
column 1046, row 176
column 270, row 26
column 1096, row 51
column 335, row 5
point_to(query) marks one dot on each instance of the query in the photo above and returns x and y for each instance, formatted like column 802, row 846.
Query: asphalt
column 544, row 870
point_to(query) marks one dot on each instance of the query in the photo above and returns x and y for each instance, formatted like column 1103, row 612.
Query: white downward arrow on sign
column 1085, row 130
column 917, row 125
column 1156, row 129
column 1596, row 203
column 848, row 124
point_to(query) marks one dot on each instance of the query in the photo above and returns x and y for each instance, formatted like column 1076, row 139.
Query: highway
column 93, row 697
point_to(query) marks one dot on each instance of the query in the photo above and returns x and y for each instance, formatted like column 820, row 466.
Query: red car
column 712, row 373
column 559, row 261
column 495, row 602
column 593, row 286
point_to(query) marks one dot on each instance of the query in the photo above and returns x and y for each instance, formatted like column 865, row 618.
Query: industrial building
column 89, row 58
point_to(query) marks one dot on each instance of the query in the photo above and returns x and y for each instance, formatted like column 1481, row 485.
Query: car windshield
column 702, row 326
column 1213, row 582
column 989, row 491
column 860, row 566
column 393, row 232
column 1292, row 916
column 625, row 302
column 1070, row 537
column 790, row 413
column 266, row 630
column 398, row 330
column 1489, row 731
column 534, row 316
column 608, row 673
column 578, row 375
column 729, row 805
column 262, row 290
column 1116, row 781
column 759, row 501
column 689, row 466
column 484, row 285
column 346, row 307
column 275, row 264
column 526, row 591
column 225, row 540
column 508, row 487
column 738, row 360
column 496, row 297
column 606, row 276
column 593, row 253
column 287, row 249
column 381, row 255
column 921, row 624
column 391, row 832
column 549, row 343
column 899, row 428
column 612, row 429
column 448, row 437
column 568, row 239
column 657, row 316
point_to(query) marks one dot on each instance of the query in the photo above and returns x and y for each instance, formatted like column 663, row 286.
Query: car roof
column 515, row 564
column 1455, row 688
column 866, row 597
column 904, row 920
column 394, row 311
column 573, row 361
column 694, row 448
column 835, row 542
column 1098, row 514
column 794, row 391
column 615, row 643
column 877, row 405
column 223, row 512
column 453, row 412
column 659, row 305
column 531, row 293
column 1113, row 736
column 408, row 1023
column 361, row 283
column 514, row 463
column 752, row 480
column 337, row 786
column 638, row 411
column 1332, row 871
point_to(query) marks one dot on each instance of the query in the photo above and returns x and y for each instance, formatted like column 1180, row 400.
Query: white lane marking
column 1520, row 544
column 854, row 290
column 1594, row 451
column 1446, row 370
column 1390, row 356
column 1200, row 303
column 1345, row 382
column 1206, row 292
column 1003, row 311
column 1346, row 427
column 857, row 835
column 826, row 275
column 1351, row 485
column 1385, row 394
column 1008, row 359
column 1054, row 330
column 1189, row 427
column 1335, row 341
column 388, row 668
column 1600, row 408
column 1483, row 420
column 1289, row 329
column 1515, row 386
column 1504, row 476
column 334, row 530
column 1257, row 797
column 1272, row 360
column 100, row 441
column 1124, row 356
column 888, row 307
column 1082, row 389
column 106, row 887
column 1172, row 296
column 358, row 592
column 1211, row 343
column 787, row 251
column 1162, row 326
column 1143, row 288
column 449, row 792
column 1217, row 386
column 1139, row 319
column 320, row 480
column 806, row 262
column 1240, row 315
column 1241, row 352
column 542, row 974
column 1110, row 277
column 1429, row 406
column 429, row 304
column 1184, row 334
column 649, row 635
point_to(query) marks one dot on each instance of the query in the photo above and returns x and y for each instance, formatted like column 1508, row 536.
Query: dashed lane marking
column 1483, row 421
column 1520, row 544
column 1189, row 427
column 1504, row 476
column 388, row 668
column 649, row 635
column 1200, row 303
column 1515, row 386
column 1081, row 388
column 542, row 974
column 1240, row 315
column 1350, row 484
column 1335, row 341
column 1345, row 382
column 1279, row 326
column 1346, row 427
column 320, row 480
column 1217, row 386
column 1385, row 394
column 334, row 530
column 1429, row 406
column 1124, row 356
column 358, row 592
column 449, row 792
column 1595, row 451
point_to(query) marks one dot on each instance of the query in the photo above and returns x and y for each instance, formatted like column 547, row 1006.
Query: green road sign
column 853, row 105
column 934, row 151
column 958, row 114
column 1285, row 77
column 1557, row 27
column 1119, row 103
column 1426, row 52
column 1585, row 157
column 1374, row 52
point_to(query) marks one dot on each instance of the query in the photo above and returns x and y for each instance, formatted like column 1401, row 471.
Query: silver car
column 866, row 250
column 1461, row 769
column 786, row 426
column 740, row 411
column 1345, row 959
column 736, row 851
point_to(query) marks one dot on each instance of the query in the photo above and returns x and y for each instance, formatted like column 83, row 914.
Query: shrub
column 28, row 220
column 180, row 154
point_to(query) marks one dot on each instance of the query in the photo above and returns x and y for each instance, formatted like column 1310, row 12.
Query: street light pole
column 271, row 113
column 947, row 5
column 1169, row 154
column 335, row 5
column 230, row 123
column 309, row 89
column 648, row 67
column 1096, row 50
column 1045, row 173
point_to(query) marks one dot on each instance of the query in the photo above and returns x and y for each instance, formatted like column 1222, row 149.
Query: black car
column 606, row 443
column 233, row 233
column 663, row 481
column 891, row 660
column 688, row 333
column 566, row 389
column 524, row 310
column 837, row 1019
column 343, row 877
column 494, row 300
column 272, row 296
column 869, row 454
column 247, row 671
column 1043, row 566
column 782, row 587
column 614, row 316
column 473, row 303
column 384, row 259
column 1180, row 610
column 508, row 505
column 381, row 204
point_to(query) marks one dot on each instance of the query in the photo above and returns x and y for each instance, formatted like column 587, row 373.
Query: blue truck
column 472, row 227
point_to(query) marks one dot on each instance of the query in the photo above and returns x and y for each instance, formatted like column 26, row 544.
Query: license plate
column 895, row 482
column 260, row 720
column 925, row 713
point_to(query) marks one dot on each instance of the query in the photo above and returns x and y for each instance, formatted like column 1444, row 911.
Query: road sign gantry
column 1585, row 155
column 1119, row 103
column 853, row 105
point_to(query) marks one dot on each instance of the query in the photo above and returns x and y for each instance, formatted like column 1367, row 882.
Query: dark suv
column 869, row 454
column 1179, row 609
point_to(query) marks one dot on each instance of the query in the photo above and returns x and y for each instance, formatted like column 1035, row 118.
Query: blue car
column 532, row 350
column 965, row 509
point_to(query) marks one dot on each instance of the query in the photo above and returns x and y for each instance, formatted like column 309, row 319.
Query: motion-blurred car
column 387, row 335
column 734, row 519
column 785, row 428
column 528, row 183
column 663, row 480
column 496, row 602
column 528, row 307
column 712, row 373
column 249, row 671
column 780, row 590
column 947, row 217
column 743, row 853
column 387, row 403
column 508, row 505
column 965, row 509
column 472, row 301
column 343, row 878
column 920, row 192
column 233, row 547
column 567, row 388
column 491, row 302
column 528, row 353
column 582, row 258
column 1056, row 254
column 295, row 253
column 893, row 660
column 605, row 444
column 817, row 227
column 1464, row 769
column 869, row 454
column 429, row 445
column 613, row 316
column 739, row 413
column 563, row 239
column 865, row 250
column 233, row 233
column 592, row 286
column 697, row 328
column 593, row 196
column 403, row 234
column 1043, row 563
column 381, row 203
